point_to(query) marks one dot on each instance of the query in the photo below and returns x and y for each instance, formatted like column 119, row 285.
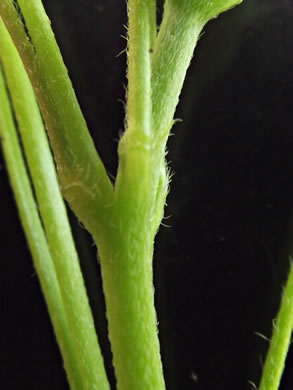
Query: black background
column 221, row 265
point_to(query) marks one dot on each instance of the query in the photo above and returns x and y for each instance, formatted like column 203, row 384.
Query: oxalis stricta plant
column 122, row 218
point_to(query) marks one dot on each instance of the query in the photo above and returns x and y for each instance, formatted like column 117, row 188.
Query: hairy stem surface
column 126, row 254
column 281, row 340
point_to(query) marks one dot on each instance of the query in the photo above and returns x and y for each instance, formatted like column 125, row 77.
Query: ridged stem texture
column 84, row 181
column 36, row 238
column 54, row 217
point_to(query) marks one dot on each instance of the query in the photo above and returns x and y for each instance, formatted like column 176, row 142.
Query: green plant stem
column 36, row 238
column 179, row 32
column 153, row 22
column 83, row 179
column 172, row 54
column 130, row 214
column 128, row 286
column 53, row 213
column 138, row 114
column 181, row 26
column 281, row 340
column 126, row 253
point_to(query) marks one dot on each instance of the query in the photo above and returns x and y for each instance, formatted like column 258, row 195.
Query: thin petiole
column 54, row 217
column 84, row 181
column 281, row 339
column 36, row 238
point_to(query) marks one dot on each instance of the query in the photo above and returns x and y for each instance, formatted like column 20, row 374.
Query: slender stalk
column 181, row 26
column 172, row 54
column 152, row 10
column 140, row 35
column 53, row 213
column 179, row 32
column 36, row 238
column 134, row 187
column 82, row 176
column 281, row 340
column 126, row 252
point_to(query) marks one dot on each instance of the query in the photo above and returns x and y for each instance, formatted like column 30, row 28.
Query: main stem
column 128, row 287
column 127, row 248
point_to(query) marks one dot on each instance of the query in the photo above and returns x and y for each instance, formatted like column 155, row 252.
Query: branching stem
column 126, row 253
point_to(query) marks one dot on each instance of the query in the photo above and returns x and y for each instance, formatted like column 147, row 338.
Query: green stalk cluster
column 60, row 247
column 123, row 219
column 36, row 238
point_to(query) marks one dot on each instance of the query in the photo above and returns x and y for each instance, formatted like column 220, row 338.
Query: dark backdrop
column 221, row 264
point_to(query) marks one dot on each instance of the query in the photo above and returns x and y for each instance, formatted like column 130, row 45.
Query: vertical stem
column 182, row 23
column 128, row 286
column 83, row 179
column 281, row 339
column 36, row 238
column 126, row 252
column 173, row 51
column 153, row 22
column 54, row 217
column 139, row 70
